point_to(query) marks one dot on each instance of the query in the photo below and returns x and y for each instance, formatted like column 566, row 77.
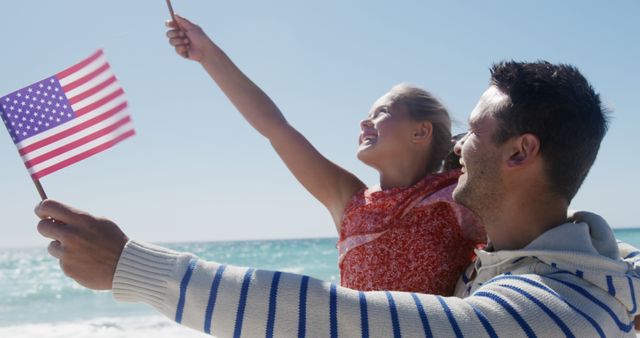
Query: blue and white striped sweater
column 528, row 298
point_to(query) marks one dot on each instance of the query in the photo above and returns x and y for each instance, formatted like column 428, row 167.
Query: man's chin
column 459, row 195
column 461, row 199
column 456, row 193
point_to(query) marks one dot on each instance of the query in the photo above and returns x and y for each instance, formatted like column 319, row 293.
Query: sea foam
column 131, row 327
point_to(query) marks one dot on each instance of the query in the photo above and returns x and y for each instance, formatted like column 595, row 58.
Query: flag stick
column 173, row 15
column 43, row 195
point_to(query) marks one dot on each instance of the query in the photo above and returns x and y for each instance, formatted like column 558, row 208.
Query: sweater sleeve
column 628, row 251
column 229, row 301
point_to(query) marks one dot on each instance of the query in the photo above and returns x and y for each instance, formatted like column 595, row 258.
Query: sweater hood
column 585, row 246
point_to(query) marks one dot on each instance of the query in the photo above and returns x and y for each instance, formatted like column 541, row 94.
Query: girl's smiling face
column 386, row 133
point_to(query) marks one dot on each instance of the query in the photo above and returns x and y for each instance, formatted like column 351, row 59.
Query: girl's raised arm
column 330, row 184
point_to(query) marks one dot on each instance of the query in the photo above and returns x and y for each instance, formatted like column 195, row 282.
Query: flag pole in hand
column 77, row 123
column 173, row 15
column 43, row 194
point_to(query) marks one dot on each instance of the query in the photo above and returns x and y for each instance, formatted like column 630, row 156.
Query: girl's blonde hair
column 423, row 106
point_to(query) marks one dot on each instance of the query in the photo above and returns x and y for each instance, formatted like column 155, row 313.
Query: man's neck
column 522, row 220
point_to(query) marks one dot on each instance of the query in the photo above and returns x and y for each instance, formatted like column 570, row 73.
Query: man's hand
column 88, row 247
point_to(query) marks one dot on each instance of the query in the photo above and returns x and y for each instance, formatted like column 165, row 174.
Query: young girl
column 405, row 234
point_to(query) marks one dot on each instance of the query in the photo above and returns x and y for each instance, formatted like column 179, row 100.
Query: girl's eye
column 377, row 113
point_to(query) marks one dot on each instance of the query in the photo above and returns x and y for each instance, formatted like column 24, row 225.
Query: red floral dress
column 407, row 239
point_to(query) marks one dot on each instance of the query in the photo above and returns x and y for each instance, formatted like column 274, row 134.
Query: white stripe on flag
column 92, row 83
column 110, row 89
column 61, row 143
column 97, row 63
column 95, row 143
column 36, row 138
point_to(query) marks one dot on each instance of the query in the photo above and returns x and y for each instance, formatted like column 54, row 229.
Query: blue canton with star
column 35, row 109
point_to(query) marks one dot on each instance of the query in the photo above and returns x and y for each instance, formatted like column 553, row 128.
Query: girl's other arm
column 330, row 184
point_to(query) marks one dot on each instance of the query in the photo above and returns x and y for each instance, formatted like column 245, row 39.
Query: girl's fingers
column 184, row 22
column 183, row 50
column 179, row 42
column 171, row 24
column 175, row 33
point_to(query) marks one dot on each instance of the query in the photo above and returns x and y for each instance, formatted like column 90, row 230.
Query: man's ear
column 422, row 132
column 523, row 150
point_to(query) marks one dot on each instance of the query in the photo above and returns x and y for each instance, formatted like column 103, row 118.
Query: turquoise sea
column 37, row 300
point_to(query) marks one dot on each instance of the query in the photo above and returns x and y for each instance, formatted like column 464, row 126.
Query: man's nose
column 457, row 148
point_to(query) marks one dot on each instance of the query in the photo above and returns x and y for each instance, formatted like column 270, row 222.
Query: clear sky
column 197, row 171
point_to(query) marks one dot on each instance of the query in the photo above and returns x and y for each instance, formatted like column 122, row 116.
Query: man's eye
column 460, row 136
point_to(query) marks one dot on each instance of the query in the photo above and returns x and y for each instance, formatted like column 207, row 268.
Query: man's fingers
column 51, row 229
column 55, row 249
column 56, row 210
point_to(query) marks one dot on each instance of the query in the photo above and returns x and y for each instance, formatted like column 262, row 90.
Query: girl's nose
column 366, row 123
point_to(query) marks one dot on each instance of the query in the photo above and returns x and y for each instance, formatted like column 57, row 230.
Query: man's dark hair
column 559, row 106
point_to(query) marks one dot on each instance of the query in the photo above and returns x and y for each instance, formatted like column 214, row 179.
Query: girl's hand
column 188, row 39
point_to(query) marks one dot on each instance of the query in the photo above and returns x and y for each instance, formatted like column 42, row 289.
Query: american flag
column 67, row 117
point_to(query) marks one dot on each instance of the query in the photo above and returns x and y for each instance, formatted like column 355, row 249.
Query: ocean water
column 37, row 300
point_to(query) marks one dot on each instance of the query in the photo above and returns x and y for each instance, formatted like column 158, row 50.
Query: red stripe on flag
column 100, row 102
column 79, row 82
column 82, row 126
column 46, row 171
column 80, row 65
column 77, row 143
column 92, row 91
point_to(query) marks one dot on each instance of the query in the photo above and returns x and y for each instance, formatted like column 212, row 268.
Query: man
column 533, row 137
